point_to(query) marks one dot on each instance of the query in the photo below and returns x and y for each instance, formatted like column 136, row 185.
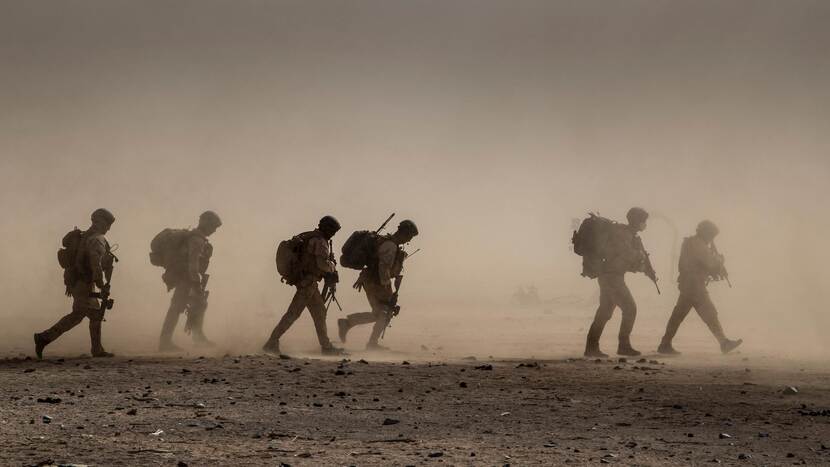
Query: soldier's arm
column 320, row 249
column 97, row 252
column 386, row 261
column 195, row 246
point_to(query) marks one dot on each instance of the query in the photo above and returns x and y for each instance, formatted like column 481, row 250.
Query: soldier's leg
column 64, row 324
column 317, row 308
column 178, row 303
column 681, row 310
column 624, row 299
column 196, row 322
column 358, row 319
column 96, row 318
column 344, row 325
column 709, row 314
column 298, row 304
column 603, row 314
column 380, row 318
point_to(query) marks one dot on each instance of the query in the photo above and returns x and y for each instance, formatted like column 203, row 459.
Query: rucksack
column 68, row 258
column 588, row 241
column 166, row 247
column 289, row 257
column 359, row 250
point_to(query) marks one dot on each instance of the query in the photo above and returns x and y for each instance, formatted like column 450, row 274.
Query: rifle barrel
column 385, row 222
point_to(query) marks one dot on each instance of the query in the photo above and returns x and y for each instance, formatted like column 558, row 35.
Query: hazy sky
column 492, row 124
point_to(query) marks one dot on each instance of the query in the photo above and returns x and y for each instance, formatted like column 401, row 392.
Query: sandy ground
column 407, row 410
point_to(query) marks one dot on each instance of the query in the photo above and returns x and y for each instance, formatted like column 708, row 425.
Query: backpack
column 588, row 241
column 166, row 246
column 68, row 258
column 289, row 257
column 359, row 250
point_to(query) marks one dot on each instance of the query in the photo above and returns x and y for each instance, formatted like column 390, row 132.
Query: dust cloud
column 493, row 125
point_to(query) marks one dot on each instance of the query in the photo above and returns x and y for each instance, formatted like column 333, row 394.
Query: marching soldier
column 186, row 275
column 376, row 280
column 700, row 262
column 315, row 263
column 90, row 268
column 621, row 254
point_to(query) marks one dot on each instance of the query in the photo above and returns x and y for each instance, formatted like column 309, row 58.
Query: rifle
column 384, row 223
column 200, row 305
column 723, row 272
column 648, row 267
column 393, row 309
column 104, row 295
column 330, row 285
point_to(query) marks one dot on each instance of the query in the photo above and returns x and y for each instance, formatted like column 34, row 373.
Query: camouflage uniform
column 95, row 264
column 698, row 263
column 315, row 263
column 184, row 277
column 621, row 255
column 377, row 283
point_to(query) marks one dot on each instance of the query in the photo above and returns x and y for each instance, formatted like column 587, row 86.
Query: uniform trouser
column 702, row 303
column 307, row 296
column 613, row 293
column 178, row 304
column 82, row 307
column 377, row 296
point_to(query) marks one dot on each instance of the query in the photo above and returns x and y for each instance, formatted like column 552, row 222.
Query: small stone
column 132, row 412
column 49, row 400
column 47, row 419
column 725, row 436
column 390, row 422
column 435, row 455
column 462, row 385
column 790, row 391
column 744, row 456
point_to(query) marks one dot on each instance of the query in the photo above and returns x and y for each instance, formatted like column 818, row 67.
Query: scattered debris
column 49, row 400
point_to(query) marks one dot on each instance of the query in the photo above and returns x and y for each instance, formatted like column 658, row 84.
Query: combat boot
column 727, row 345
column 97, row 350
column 626, row 350
column 332, row 350
column 592, row 348
column 343, row 328
column 40, row 343
column 272, row 347
column 666, row 348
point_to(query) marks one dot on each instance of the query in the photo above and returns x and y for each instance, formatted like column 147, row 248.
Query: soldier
column 187, row 274
column 376, row 280
column 94, row 265
column 620, row 254
column 316, row 262
column 699, row 263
